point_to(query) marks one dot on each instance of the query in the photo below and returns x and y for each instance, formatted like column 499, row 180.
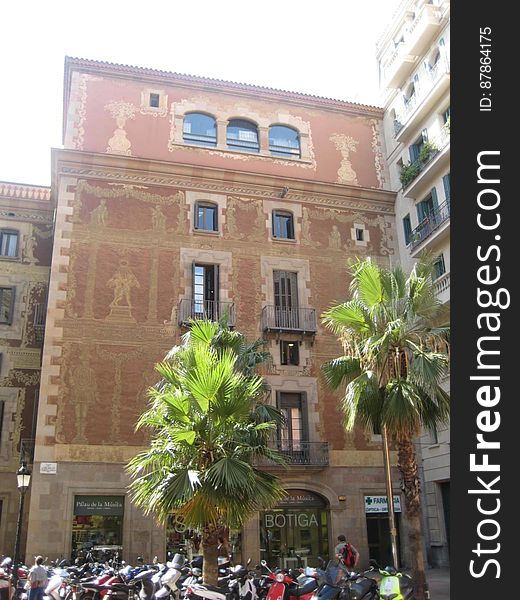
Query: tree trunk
column 209, row 542
column 412, row 495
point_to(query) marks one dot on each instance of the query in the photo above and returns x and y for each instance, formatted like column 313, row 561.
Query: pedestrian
column 37, row 579
column 341, row 554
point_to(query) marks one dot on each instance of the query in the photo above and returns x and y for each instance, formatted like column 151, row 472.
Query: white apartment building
column 413, row 55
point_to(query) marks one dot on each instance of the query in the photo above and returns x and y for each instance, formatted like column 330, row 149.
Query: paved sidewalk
column 439, row 583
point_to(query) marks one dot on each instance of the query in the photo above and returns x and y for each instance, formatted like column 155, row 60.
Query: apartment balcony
column 298, row 455
column 430, row 229
column 210, row 310
column 290, row 320
column 424, row 171
column 431, row 89
column 399, row 66
column 441, row 288
column 27, row 450
column 423, row 29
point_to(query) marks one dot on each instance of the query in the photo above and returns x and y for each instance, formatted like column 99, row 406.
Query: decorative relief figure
column 99, row 215
column 345, row 144
column 158, row 219
column 122, row 281
column 121, row 111
column 335, row 238
column 84, row 387
column 30, row 245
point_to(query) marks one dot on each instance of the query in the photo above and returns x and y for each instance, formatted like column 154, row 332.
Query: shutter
column 407, row 229
column 424, row 135
column 217, row 283
column 447, row 187
column 421, row 213
column 414, row 152
column 305, row 417
column 434, row 199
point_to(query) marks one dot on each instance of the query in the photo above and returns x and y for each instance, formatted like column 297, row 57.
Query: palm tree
column 209, row 425
column 393, row 363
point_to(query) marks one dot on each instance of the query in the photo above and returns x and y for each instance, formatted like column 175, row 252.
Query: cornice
column 208, row 84
column 24, row 191
column 137, row 171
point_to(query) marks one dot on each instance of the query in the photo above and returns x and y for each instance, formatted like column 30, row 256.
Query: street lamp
column 23, row 477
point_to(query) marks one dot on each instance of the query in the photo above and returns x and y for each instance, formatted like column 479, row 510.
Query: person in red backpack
column 346, row 553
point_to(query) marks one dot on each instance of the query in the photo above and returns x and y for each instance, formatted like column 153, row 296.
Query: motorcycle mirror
column 263, row 563
column 248, row 561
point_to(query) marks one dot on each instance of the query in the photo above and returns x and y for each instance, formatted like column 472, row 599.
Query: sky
column 321, row 47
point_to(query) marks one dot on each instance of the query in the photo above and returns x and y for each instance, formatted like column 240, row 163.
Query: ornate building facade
column 26, row 231
column 177, row 197
column 414, row 61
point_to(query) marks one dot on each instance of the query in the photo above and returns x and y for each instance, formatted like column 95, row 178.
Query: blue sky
column 325, row 47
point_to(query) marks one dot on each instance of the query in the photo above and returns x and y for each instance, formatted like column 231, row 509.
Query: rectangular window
column 154, row 100
column 427, row 207
column 6, row 305
column 360, row 234
column 407, row 226
column 8, row 243
column 446, row 115
column 286, row 299
column 206, row 216
column 205, row 292
column 289, row 353
column 439, row 268
column 293, row 434
column 283, row 225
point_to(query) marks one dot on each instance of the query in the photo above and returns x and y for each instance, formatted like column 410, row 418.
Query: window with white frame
column 9, row 243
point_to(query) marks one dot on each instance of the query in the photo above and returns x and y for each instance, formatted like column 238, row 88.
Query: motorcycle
column 237, row 585
column 393, row 585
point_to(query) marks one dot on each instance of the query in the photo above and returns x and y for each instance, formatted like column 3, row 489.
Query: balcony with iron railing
column 436, row 154
column 211, row 310
column 304, row 455
column 431, row 89
column 441, row 287
column 284, row 319
column 435, row 222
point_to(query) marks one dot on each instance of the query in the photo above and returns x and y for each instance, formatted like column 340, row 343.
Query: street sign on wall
column 379, row 504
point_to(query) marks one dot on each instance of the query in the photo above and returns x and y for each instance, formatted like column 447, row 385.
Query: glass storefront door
column 296, row 532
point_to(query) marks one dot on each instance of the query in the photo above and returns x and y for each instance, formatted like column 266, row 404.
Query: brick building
column 179, row 196
column 25, row 257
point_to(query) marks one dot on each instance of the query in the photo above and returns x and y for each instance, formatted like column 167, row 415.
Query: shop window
column 283, row 225
column 284, row 141
column 8, row 243
column 242, row 135
column 289, row 352
column 206, row 216
column 6, row 305
column 97, row 523
column 200, row 129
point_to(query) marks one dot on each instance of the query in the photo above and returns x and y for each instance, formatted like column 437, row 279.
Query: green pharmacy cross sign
column 379, row 504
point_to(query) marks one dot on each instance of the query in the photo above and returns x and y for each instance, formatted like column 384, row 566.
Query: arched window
column 242, row 135
column 200, row 129
column 284, row 141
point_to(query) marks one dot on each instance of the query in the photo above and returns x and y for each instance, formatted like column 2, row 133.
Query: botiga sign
column 99, row 505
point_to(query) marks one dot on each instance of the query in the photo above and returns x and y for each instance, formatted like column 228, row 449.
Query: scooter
column 288, row 586
column 170, row 579
column 393, row 585
column 227, row 589
column 55, row 589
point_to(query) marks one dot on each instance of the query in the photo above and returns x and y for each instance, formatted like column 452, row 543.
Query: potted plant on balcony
column 428, row 149
column 409, row 172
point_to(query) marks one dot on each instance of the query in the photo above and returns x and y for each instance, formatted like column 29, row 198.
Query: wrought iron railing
column 206, row 309
column 418, row 166
column 430, row 224
column 39, row 321
column 301, row 320
column 304, row 454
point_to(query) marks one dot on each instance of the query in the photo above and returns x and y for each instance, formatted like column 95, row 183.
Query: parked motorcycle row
column 180, row 579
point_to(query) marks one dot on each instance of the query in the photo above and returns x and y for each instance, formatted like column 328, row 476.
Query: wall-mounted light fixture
column 342, row 498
